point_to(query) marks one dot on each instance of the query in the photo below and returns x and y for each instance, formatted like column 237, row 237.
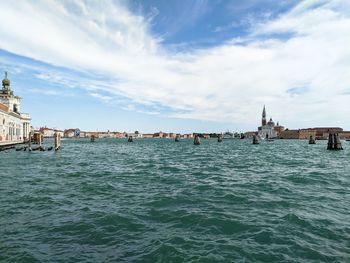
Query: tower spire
column 263, row 121
column 264, row 112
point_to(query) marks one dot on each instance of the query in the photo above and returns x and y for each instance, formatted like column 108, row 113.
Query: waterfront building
column 171, row 135
column 47, row 132
column 147, row 135
column 159, row 135
column 188, row 136
column 323, row 132
column 206, row 135
column 82, row 134
column 304, row 134
column 50, row 132
column 250, row 134
column 69, row 133
column 90, row 134
column 104, row 135
column 267, row 129
column 119, row 135
column 14, row 124
column 289, row 134
column 134, row 135
column 278, row 128
column 319, row 133
column 345, row 135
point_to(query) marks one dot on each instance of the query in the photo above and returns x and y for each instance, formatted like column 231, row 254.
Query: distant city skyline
column 179, row 66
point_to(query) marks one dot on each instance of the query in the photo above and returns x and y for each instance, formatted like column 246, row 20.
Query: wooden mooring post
column 219, row 137
column 29, row 142
column 312, row 140
column 255, row 139
column 196, row 140
column 177, row 138
column 130, row 139
column 57, row 138
column 37, row 138
column 334, row 142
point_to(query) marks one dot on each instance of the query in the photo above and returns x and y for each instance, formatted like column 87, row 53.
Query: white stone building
column 267, row 129
column 47, row 132
column 14, row 125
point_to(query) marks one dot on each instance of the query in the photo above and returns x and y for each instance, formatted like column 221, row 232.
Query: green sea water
column 160, row 201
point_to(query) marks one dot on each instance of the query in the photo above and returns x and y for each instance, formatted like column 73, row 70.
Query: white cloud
column 46, row 92
column 229, row 82
column 103, row 98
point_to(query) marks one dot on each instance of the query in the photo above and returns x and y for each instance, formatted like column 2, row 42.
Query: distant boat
column 260, row 138
column 228, row 135
column 267, row 138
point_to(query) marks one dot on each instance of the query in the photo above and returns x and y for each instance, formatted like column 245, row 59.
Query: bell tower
column 7, row 98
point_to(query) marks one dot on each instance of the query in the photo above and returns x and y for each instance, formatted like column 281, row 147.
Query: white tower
column 7, row 98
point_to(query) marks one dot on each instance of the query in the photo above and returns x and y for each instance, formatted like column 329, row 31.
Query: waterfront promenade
column 11, row 143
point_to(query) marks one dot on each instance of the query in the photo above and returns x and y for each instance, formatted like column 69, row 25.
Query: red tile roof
column 4, row 107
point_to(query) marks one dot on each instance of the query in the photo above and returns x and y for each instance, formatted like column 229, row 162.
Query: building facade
column 319, row 133
column 268, row 129
column 49, row 133
column 69, row 133
column 14, row 125
column 289, row 134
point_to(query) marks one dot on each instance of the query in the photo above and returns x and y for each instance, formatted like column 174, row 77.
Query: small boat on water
column 266, row 138
column 227, row 135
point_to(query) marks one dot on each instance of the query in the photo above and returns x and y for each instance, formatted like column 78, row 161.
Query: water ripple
column 160, row 201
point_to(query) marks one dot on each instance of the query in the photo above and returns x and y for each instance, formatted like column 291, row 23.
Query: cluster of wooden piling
column 36, row 139
column 334, row 142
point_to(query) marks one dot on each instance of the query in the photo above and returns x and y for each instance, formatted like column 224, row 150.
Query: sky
column 181, row 66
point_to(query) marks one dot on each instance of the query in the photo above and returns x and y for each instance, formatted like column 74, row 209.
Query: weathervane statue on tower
column 5, row 82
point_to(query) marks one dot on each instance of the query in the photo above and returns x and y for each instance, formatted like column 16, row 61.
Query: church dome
column 271, row 123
